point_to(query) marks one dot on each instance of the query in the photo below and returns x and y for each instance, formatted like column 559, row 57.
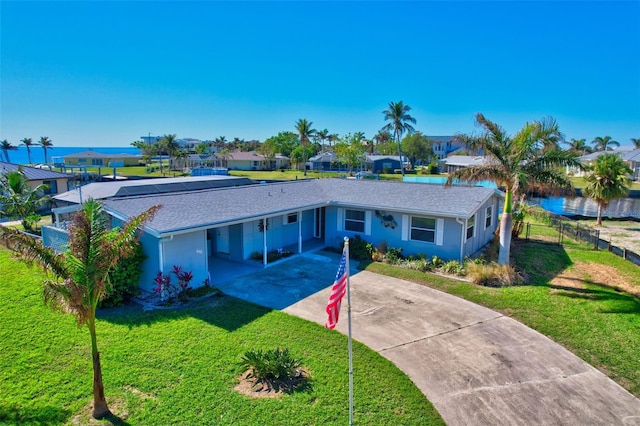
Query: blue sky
column 106, row 73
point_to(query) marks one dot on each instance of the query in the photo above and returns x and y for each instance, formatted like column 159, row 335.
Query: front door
column 222, row 240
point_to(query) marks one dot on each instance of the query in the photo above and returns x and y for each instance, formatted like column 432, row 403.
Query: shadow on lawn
column 543, row 262
column 223, row 311
column 42, row 415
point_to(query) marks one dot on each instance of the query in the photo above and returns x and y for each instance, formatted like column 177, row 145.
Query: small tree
column 18, row 200
column 608, row 179
column 80, row 275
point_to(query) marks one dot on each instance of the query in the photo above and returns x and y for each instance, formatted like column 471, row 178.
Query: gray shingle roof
column 184, row 211
column 102, row 190
column 32, row 173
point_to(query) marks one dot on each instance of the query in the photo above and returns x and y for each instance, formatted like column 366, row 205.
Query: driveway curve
column 475, row 365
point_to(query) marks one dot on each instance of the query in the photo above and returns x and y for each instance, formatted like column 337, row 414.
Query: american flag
column 337, row 292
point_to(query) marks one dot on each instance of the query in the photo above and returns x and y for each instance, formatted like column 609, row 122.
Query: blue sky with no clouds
column 106, row 73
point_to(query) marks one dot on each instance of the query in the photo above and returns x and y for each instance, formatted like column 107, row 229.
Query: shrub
column 492, row 275
column 453, row 267
column 124, row 279
column 359, row 249
column 418, row 264
column 394, row 255
column 437, row 262
column 271, row 365
column 433, row 169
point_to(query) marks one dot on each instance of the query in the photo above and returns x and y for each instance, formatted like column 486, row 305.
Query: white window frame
column 471, row 226
column 488, row 217
column 355, row 221
column 291, row 218
column 434, row 229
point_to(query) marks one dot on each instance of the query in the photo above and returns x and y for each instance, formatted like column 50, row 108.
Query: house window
column 52, row 187
column 471, row 225
column 292, row 218
column 423, row 229
column 354, row 220
column 97, row 162
column 488, row 217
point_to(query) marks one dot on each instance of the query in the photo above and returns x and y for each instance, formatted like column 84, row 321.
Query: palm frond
column 31, row 251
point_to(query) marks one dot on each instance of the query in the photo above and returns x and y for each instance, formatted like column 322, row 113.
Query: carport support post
column 264, row 242
column 346, row 248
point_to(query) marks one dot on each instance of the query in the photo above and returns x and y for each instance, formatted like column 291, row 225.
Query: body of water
column 441, row 181
column 20, row 156
column 565, row 206
column 581, row 206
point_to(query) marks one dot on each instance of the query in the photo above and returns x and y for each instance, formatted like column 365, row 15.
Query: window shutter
column 340, row 225
column 439, row 232
column 367, row 222
column 405, row 227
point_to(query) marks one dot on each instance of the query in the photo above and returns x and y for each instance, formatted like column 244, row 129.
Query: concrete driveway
column 475, row 365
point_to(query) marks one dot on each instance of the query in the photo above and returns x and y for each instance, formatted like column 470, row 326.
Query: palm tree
column 6, row 146
column 636, row 142
column 608, row 180
column 323, row 135
column 579, row 146
column 28, row 143
column 382, row 137
column 45, row 143
column 19, row 200
column 398, row 114
column 334, row 137
column 517, row 164
column 604, row 143
column 305, row 132
column 80, row 274
column 171, row 146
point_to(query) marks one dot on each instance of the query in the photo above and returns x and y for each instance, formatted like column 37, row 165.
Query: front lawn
column 180, row 366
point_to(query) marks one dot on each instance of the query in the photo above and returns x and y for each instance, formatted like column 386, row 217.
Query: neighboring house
column 383, row 163
column 325, row 161
column 630, row 156
column 194, row 228
column 445, row 145
column 241, row 160
column 57, row 182
column 98, row 159
column 455, row 162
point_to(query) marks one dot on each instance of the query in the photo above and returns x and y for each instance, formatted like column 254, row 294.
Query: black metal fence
column 560, row 227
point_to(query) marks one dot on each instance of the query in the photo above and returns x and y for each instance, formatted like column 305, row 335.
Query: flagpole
column 346, row 249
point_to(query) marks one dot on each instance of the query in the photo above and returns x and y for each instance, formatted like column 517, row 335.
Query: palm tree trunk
column 506, row 226
column 400, row 156
column 100, row 408
column 599, row 219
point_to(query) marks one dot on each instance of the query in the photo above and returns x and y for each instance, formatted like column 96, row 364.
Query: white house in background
column 194, row 228
column 242, row 160
column 455, row 162
column 629, row 155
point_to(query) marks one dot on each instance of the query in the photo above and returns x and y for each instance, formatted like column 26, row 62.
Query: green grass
column 180, row 366
column 580, row 182
column 599, row 324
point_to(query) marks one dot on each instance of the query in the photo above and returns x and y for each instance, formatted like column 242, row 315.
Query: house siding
column 188, row 251
column 279, row 234
column 151, row 265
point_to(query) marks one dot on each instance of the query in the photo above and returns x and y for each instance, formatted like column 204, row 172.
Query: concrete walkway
column 475, row 365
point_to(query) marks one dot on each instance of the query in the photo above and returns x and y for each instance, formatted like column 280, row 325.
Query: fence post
column 624, row 253
column 528, row 231
column 597, row 240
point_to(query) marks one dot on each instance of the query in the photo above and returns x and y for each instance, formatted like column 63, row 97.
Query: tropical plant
column 400, row 122
column 6, row 146
column 635, row 142
column 417, row 146
column 579, row 146
column 334, row 137
column 18, row 200
column 45, row 143
column 28, row 142
column 124, row 279
column 169, row 144
column 305, row 132
column 517, row 164
column 80, row 275
column 604, row 143
column 608, row 179
column 323, row 135
column 350, row 151
column 271, row 367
